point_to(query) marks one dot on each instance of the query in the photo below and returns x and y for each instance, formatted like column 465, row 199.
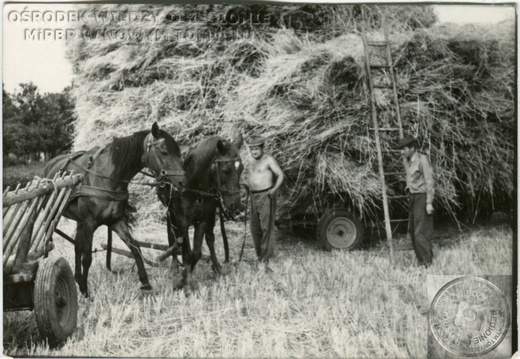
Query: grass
column 21, row 173
column 315, row 304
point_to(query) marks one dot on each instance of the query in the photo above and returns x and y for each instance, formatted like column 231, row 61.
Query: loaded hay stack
column 298, row 79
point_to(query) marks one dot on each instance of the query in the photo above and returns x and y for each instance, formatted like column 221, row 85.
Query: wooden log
column 17, row 233
column 57, row 216
column 65, row 236
column 33, row 255
column 129, row 255
column 55, row 206
column 12, row 198
column 25, row 194
column 9, row 216
column 169, row 251
column 24, row 243
column 44, row 218
column 161, row 247
column 8, row 237
column 8, row 268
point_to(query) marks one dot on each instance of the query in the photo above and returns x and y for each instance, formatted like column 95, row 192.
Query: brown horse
column 213, row 168
column 102, row 198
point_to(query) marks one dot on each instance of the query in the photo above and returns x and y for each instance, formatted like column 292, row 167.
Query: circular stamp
column 469, row 316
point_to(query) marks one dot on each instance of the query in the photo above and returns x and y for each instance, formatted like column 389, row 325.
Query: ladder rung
column 374, row 66
column 393, row 151
column 397, row 197
column 377, row 43
column 399, row 220
column 384, row 87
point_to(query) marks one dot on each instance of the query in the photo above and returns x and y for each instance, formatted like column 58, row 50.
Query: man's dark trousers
column 263, row 210
column 421, row 228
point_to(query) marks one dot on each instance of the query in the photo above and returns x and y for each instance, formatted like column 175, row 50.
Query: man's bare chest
column 259, row 167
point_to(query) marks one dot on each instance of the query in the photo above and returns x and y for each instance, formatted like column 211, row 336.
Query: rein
column 245, row 224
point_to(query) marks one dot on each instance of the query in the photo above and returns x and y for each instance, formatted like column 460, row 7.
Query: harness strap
column 245, row 226
column 87, row 169
column 98, row 192
column 200, row 193
column 95, row 156
column 224, row 236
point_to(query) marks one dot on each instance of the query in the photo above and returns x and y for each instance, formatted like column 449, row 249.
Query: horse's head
column 227, row 170
column 163, row 156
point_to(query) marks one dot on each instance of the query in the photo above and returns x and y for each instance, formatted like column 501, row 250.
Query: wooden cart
column 32, row 280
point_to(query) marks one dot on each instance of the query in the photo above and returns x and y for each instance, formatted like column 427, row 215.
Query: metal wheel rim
column 341, row 232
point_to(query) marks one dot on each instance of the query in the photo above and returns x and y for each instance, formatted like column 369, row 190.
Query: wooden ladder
column 390, row 170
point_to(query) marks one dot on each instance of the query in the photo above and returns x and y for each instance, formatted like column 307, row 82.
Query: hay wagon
column 32, row 280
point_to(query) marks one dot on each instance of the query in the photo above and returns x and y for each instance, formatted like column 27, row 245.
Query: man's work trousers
column 263, row 213
column 421, row 228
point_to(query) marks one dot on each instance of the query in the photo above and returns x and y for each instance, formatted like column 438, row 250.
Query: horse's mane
column 130, row 149
column 203, row 153
column 199, row 158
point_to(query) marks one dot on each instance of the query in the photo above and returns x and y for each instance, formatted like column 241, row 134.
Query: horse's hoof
column 178, row 283
column 217, row 269
column 146, row 288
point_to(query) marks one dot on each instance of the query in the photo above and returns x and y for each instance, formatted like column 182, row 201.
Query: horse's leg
column 198, row 237
column 123, row 231
column 173, row 233
column 77, row 251
column 210, row 241
column 83, row 249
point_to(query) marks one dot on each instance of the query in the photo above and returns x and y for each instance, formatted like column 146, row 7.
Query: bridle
column 220, row 191
column 161, row 176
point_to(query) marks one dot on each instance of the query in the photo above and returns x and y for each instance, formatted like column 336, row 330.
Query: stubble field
column 314, row 304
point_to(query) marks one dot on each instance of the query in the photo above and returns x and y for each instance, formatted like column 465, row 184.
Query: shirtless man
column 265, row 178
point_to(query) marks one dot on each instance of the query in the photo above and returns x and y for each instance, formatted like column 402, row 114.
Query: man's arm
column 430, row 183
column 273, row 165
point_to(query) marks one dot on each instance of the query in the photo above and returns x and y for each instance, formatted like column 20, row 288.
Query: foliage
column 34, row 123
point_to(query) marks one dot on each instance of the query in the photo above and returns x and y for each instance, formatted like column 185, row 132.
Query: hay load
column 305, row 92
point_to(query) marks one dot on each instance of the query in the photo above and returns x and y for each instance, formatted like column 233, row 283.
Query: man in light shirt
column 421, row 187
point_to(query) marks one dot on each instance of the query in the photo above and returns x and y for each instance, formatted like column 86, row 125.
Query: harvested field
column 321, row 304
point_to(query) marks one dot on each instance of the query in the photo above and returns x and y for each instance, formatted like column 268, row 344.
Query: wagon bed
column 30, row 279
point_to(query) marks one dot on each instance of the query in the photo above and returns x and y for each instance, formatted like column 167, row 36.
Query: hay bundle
column 305, row 92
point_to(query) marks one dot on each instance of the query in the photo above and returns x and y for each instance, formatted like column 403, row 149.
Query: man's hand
column 429, row 208
column 271, row 193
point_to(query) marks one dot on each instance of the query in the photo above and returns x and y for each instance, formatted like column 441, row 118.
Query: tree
column 35, row 123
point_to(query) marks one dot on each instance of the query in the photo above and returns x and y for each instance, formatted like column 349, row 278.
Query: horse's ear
column 155, row 130
column 239, row 141
column 221, row 147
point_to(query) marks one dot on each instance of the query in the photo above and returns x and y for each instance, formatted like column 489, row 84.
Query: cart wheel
column 340, row 229
column 55, row 301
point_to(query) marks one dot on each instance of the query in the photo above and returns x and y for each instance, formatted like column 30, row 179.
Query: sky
column 43, row 62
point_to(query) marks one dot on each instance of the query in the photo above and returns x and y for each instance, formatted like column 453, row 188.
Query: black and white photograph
column 259, row 179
